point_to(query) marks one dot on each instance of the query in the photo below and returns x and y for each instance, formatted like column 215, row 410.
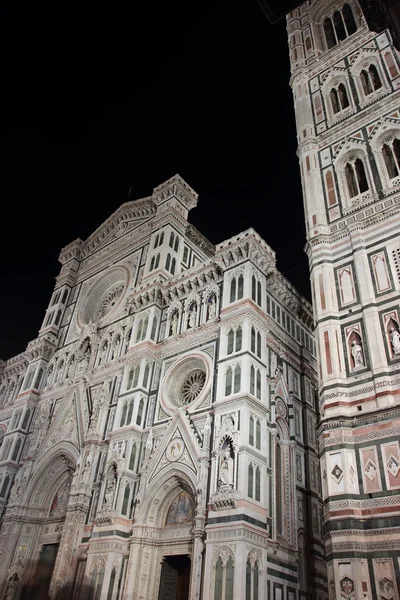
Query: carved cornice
column 246, row 245
column 195, row 236
column 17, row 364
column 175, row 186
column 42, row 347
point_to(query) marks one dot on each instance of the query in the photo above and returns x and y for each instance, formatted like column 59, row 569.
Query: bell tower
column 345, row 80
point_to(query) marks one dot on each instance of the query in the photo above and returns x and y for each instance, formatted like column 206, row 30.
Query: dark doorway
column 44, row 572
column 175, row 578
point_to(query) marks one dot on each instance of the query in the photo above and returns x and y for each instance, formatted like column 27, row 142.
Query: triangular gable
column 129, row 216
column 358, row 136
column 281, row 388
column 179, row 446
column 64, row 426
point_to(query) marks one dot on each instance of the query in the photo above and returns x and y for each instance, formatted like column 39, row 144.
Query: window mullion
column 223, row 581
column 395, row 161
column 353, row 166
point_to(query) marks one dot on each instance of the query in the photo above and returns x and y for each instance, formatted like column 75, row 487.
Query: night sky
column 98, row 100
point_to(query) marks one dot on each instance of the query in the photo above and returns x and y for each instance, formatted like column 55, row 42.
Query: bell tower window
column 355, row 177
column 391, row 156
column 370, row 80
column 339, row 26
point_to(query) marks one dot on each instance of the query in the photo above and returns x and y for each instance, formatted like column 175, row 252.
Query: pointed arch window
column 236, row 383
column 168, row 261
column 25, row 422
column 257, row 494
column 258, row 384
column 355, row 177
column 251, row 431
column 176, row 244
column 154, row 328
column 391, row 156
column 258, row 344
column 228, row 382
column 253, row 288
column 173, row 266
column 156, row 242
column 232, row 297
column 250, row 480
column 253, row 340
column 125, row 501
column 238, row 339
column 223, row 585
column 112, row 583
column 231, row 341
column 252, row 580
column 38, row 379
column 58, row 317
column 96, row 582
column 16, row 450
column 152, row 263
column 123, row 414
column 252, row 379
column 240, row 287
column 157, row 262
column 171, row 240
column 132, row 458
column 140, row 412
column 161, row 238
column 258, row 434
column 146, row 375
column 130, row 412
column 133, row 377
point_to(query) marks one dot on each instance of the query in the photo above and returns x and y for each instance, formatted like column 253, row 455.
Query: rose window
column 111, row 300
column 192, row 386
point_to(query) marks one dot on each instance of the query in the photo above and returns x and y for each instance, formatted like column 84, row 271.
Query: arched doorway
column 175, row 570
column 164, row 569
column 44, row 495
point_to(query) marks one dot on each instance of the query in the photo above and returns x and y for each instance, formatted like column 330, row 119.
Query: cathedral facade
column 159, row 435
column 346, row 81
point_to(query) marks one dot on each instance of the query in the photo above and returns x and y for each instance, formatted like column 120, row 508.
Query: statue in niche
column 71, row 367
column 109, row 493
column 357, row 353
column 225, row 478
column 192, row 316
column 115, row 349
column 174, row 323
column 84, row 360
column 212, row 308
column 395, row 340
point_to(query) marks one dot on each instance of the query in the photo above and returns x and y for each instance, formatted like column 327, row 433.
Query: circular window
column 192, row 386
column 110, row 300
column 105, row 297
column 186, row 382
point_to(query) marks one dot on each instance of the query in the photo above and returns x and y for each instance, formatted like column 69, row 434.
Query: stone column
column 64, row 567
column 197, row 559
